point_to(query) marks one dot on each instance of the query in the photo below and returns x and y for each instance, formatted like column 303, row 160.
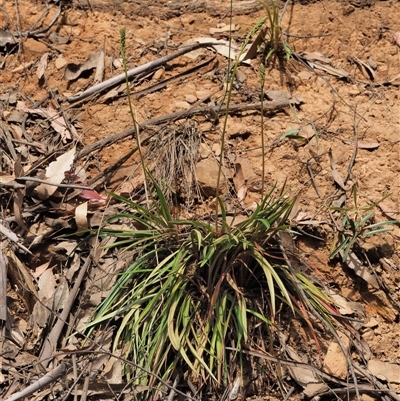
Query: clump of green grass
column 354, row 224
column 191, row 291
column 197, row 287
column 275, row 44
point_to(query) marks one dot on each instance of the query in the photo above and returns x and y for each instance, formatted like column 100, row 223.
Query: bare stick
column 3, row 291
column 181, row 115
column 38, row 180
column 50, row 377
column 151, row 65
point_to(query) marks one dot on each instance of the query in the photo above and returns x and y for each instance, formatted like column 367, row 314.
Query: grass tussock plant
column 195, row 287
column 275, row 43
column 191, row 291
column 354, row 224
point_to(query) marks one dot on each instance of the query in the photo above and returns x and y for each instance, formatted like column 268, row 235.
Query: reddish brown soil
column 333, row 108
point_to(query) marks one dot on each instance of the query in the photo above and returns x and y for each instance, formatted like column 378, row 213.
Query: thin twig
column 3, row 291
column 289, row 393
column 174, row 385
column 40, row 30
column 128, row 362
column 355, row 147
column 53, row 184
column 314, row 184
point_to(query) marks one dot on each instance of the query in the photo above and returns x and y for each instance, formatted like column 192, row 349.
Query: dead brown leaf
column 362, row 145
column 19, row 195
column 73, row 71
column 365, row 69
column 42, row 65
column 335, row 173
column 315, row 56
column 253, row 50
column 56, row 120
column 55, row 173
column 354, row 263
column 239, row 182
column 3, row 286
column 22, row 280
column 6, row 38
column 81, row 217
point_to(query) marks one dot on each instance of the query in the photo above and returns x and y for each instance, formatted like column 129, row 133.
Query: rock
column 204, row 151
column 158, row 74
column 118, row 63
column 181, row 105
column 34, row 46
column 191, row 98
column 60, row 62
column 206, row 176
column 335, row 361
column 241, row 76
column 202, row 94
column 372, row 322
column 313, row 389
column 367, row 397
column 216, row 148
column 385, row 370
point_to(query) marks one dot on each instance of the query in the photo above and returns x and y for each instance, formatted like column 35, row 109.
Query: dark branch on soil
column 44, row 381
column 179, row 115
column 147, row 67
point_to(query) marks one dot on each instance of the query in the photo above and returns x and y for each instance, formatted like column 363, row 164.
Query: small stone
column 335, row 361
column 60, row 62
column 313, row 389
column 354, row 91
column 204, row 151
column 202, row 94
column 216, row 148
column 191, row 99
column 34, row 46
column 182, row 105
column 385, row 370
column 372, row 63
column 206, row 176
column 117, row 63
column 158, row 74
column 372, row 322
column 241, row 76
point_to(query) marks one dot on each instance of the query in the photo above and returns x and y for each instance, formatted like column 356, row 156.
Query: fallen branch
column 38, row 180
column 178, row 115
column 151, row 65
column 48, row 378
